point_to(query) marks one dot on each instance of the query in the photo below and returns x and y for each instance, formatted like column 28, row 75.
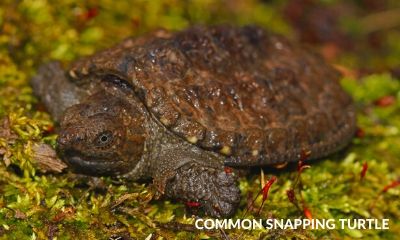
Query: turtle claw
column 215, row 190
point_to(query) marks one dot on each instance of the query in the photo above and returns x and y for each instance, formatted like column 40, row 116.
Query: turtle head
column 104, row 135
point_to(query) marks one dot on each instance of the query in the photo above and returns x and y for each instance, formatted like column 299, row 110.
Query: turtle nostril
column 77, row 138
column 69, row 138
column 62, row 140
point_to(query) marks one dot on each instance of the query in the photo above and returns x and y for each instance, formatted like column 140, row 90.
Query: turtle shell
column 241, row 91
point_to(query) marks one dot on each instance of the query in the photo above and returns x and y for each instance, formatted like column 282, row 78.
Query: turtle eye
column 104, row 139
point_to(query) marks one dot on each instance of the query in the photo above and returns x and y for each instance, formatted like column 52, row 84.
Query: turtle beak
column 67, row 141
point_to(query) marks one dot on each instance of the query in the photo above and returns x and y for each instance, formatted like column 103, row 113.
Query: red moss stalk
column 364, row 170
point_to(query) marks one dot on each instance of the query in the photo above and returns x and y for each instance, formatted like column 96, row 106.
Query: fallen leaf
column 46, row 158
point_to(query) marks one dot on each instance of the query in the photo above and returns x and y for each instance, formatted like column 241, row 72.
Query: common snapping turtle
column 178, row 107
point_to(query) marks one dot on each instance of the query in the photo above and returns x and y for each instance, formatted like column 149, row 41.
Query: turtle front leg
column 188, row 173
column 55, row 90
column 215, row 190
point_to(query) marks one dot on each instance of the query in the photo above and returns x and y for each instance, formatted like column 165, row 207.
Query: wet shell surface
column 241, row 91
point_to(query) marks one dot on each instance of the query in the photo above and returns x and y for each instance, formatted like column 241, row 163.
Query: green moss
column 41, row 206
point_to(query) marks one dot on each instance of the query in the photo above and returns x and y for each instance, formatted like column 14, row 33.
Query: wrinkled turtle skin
column 178, row 107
